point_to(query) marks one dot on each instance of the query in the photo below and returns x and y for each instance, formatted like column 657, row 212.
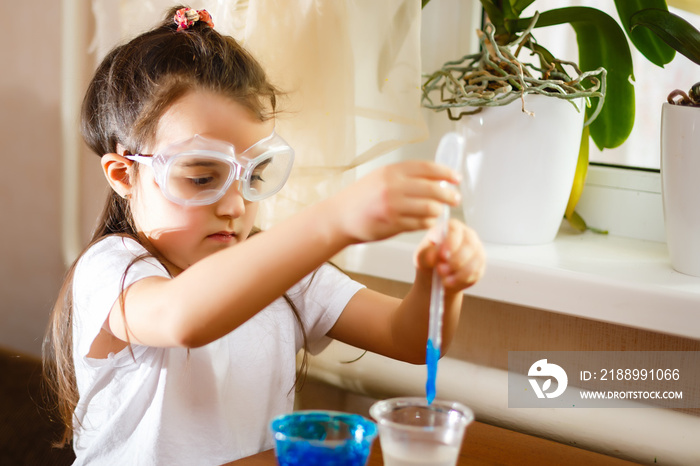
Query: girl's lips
column 223, row 236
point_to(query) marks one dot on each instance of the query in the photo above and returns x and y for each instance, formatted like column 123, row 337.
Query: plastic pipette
column 449, row 153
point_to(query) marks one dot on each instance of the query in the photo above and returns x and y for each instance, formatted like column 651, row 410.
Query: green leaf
column 672, row 29
column 520, row 5
column 579, row 175
column 494, row 13
column 576, row 221
column 601, row 43
column 648, row 44
column 507, row 9
column 423, row 3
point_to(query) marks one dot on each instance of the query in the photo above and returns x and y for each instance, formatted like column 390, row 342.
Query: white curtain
column 351, row 71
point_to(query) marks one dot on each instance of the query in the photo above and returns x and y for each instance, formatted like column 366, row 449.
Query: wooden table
column 485, row 444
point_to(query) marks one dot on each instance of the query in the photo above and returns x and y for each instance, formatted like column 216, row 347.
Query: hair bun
column 186, row 17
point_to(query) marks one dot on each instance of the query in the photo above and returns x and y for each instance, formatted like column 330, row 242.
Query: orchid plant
column 602, row 45
column 680, row 35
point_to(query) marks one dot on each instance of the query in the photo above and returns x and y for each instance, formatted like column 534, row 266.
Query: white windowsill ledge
column 602, row 277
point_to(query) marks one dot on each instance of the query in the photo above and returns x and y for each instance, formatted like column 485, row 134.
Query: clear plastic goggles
column 199, row 171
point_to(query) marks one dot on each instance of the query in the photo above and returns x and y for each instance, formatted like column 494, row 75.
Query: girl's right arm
column 220, row 292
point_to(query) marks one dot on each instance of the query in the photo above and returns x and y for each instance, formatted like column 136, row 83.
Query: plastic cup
column 413, row 432
column 320, row 438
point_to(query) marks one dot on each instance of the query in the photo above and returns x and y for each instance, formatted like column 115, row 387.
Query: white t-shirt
column 207, row 406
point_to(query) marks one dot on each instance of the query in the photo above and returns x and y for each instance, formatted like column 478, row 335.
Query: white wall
column 31, row 266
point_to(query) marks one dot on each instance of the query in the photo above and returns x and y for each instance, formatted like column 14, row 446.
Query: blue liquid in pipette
column 432, row 355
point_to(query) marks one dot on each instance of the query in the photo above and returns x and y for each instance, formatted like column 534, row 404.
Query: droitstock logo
column 542, row 369
column 604, row 379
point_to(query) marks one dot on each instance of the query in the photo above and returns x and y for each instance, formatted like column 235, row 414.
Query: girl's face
column 185, row 234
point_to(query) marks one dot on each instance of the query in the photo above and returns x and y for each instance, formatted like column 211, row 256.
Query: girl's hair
column 131, row 89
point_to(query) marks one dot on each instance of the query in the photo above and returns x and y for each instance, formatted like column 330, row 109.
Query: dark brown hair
column 130, row 91
column 138, row 81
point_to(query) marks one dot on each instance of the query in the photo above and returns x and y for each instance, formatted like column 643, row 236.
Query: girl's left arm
column 399, row 328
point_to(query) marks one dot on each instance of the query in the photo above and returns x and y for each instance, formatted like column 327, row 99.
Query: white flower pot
column 680, row 185
column 519, row 169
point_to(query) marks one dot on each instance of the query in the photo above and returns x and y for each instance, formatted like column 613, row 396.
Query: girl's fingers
column 420, row 179
column 440, row 190
column 462, row 258
column 430, row 170
column 426, row 256
column 419, row 209
column 409, row 223
column 407, row 196
column 420, row 198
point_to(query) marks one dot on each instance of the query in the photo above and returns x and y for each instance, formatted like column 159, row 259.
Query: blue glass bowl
column 320, row 438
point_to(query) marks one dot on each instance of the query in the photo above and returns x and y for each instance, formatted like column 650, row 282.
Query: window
column 652, row 86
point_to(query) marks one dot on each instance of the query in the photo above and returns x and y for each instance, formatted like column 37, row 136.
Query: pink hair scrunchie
column 186, row 17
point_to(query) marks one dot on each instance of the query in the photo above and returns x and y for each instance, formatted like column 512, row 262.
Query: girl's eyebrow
column 198, row 163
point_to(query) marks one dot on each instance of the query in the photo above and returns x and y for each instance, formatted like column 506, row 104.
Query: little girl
column 174, row 338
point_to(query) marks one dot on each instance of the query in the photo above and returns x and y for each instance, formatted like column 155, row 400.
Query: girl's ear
column 116, row 170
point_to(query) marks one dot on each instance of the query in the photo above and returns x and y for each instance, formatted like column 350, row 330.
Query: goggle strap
column 141, row 159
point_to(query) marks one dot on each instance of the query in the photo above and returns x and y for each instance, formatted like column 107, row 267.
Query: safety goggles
column 199, row 171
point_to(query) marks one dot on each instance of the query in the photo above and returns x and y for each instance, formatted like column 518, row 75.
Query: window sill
column 601, row 277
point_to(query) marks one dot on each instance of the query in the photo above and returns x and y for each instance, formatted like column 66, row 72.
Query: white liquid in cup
column 415, row 432
column 418, row 453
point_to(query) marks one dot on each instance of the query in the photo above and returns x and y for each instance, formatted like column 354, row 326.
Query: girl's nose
column 231, row 203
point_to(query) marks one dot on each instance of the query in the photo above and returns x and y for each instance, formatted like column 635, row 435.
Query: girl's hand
column 406, row 196
column 460, row 259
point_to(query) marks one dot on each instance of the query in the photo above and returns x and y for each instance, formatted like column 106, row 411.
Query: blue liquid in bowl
column 320, row 438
